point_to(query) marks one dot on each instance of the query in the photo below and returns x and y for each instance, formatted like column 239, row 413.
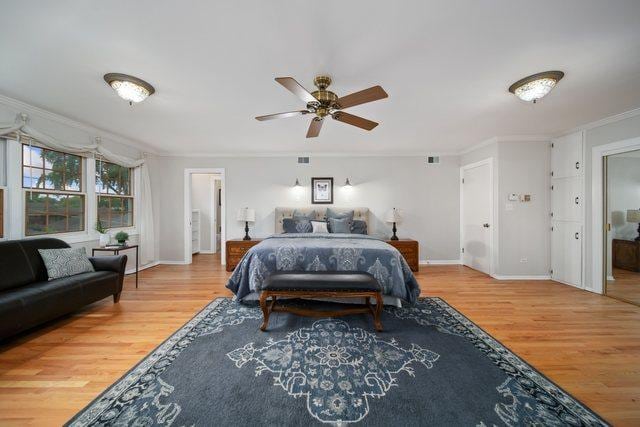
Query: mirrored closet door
column 622, row 254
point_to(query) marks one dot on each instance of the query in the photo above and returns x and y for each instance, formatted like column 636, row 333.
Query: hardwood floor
column 586, row 343
column 626, row 286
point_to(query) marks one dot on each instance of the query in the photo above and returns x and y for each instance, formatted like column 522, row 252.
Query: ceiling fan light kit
column 536, row 86
column 323, row 102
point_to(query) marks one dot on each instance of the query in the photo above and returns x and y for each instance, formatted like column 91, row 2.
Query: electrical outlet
column 524, row 260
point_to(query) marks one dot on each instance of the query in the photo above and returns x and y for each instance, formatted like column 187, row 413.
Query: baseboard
column 611, row 278
column 172, row 262
column 516, row 277
column 142, row 267
column 208, row 252
column 440, row 262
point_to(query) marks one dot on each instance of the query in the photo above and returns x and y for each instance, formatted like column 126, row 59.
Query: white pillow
column 319, row 227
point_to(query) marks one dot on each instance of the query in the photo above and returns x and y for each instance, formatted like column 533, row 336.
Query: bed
column 324, row 252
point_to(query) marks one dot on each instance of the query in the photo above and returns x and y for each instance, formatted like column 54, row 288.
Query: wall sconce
column 347, row 183
column 297, row 184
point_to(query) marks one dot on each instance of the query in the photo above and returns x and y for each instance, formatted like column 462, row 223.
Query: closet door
column 567, row 198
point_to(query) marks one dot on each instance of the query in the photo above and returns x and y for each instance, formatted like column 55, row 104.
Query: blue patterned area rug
column 431, row 366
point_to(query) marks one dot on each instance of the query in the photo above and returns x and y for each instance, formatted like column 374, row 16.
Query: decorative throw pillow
column 358, row 226
column 65, row 262
column 302, row 216
column 319, row 227
column 290, row 225
column 340, row 215
column 339, row 225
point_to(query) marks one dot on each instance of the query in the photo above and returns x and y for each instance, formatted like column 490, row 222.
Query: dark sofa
column 28, row 299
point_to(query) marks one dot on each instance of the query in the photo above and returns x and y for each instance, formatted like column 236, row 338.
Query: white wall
column 523, row 232
column 202, row 198
column 427, row 195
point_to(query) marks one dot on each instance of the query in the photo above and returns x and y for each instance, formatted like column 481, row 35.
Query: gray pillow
column 65, row 262
column 340, row 215
column 339, row 225
column 290, row 225
column 301, row 215
column 358, row 226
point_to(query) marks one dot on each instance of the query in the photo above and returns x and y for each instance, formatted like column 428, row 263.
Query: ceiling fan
column 323, row 103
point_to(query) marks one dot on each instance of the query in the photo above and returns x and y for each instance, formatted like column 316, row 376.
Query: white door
column 566, row 203
column 566, row 253
column 566, row 156
column 476, row 217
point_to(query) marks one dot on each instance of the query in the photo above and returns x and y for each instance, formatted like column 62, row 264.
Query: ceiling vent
column 431, row 160
column 303, row 160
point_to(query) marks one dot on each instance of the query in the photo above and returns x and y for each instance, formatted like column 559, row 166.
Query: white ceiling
column 445, row 64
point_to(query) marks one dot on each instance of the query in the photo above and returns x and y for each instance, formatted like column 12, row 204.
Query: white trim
column 517, row 277
column 307, row 154
column 186, row 229
column 142, row 267
column 440, row 262
column 506, row 138
column 597, row 207
column 492, row 212
column 23, row 107
column 206, row 252
column 169, row 262
column 607, row 120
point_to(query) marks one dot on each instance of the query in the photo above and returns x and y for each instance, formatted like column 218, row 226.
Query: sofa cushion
column 30, row 248
column 39, row 302
column 15, row 268
column 65, row 262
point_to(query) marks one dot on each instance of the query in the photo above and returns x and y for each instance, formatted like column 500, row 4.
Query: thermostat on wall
column 513, row 197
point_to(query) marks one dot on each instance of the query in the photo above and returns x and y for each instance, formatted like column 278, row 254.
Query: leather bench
column 321, row 284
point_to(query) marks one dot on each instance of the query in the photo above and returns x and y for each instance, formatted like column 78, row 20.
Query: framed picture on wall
column 322, row 191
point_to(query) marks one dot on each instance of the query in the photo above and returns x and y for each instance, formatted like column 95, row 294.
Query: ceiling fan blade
column 350, row 119
column 296, row 88
column 372, row 94
column 282, row 115
column 314, row 127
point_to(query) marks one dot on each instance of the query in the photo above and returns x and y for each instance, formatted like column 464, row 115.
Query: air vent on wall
column 303, row 160
column 433, row 160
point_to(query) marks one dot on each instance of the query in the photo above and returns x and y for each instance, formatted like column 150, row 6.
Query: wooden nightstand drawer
column 409, row 250
column 236, row 249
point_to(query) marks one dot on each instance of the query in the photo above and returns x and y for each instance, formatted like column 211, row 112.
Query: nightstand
column 626, row 254
column 409, row 250
column 236, row 248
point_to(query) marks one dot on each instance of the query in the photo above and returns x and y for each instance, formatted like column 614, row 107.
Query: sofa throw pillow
column 65, row 262
column 319, row 227
column 358, row 226
column 339, row 225
column 290, row 225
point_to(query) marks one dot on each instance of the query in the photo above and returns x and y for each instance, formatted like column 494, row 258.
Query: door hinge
column 551, row 173
column 463, row 180
column 551, row 228
column 552, row 188
column 552, row 145
column 551, row 214
column 551, row 272
column 462, row 250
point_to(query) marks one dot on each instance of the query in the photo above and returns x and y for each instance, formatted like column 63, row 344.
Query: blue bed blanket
column 325, row 252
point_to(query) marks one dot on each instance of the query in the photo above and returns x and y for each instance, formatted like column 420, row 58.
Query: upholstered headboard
column 281, row 213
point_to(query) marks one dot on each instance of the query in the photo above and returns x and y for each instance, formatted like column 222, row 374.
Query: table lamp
column 394, row 217
column 633, row 215
column 247, row 215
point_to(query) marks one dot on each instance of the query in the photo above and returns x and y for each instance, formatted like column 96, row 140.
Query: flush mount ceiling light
column 129, row 88
column 534, row 87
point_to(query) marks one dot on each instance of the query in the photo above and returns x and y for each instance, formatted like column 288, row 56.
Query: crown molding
column 607, row 120
column 305, row 154
column 23, row 107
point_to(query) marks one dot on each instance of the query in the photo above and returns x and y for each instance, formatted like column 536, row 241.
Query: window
column 53, row 202
column 114, row 193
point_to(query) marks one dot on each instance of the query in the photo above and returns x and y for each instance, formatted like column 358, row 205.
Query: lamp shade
column 246, row 215
column 633, row 215
column 393, row 216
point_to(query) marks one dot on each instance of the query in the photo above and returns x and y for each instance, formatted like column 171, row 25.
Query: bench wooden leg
column 378, row 313
column 265, row 310
column 116, row 297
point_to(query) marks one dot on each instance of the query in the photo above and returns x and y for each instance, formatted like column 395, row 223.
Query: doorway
column 622, row 230
column 476, row 216
column 204, row 214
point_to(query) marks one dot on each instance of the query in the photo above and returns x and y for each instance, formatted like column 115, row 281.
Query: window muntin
column 49, row 213
column 45, row 169
column 114, row 194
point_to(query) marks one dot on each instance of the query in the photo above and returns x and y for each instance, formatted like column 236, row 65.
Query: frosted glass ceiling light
column 129, row 88
column 534, row 87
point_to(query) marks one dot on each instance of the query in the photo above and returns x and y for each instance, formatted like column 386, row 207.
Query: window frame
column 131, row 196
column 26, row 190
